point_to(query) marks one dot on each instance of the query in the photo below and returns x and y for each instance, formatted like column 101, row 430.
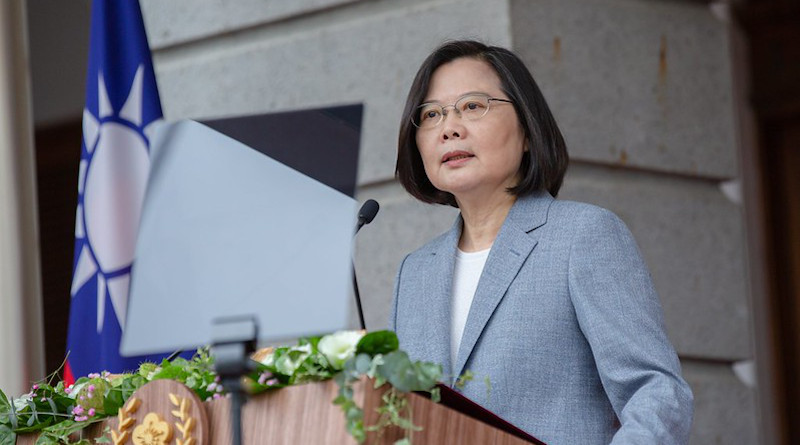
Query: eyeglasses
column 470, row 107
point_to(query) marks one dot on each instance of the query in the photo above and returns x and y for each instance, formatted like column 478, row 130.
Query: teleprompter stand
column 233, row 341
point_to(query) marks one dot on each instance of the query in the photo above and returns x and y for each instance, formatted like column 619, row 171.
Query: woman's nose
column 451, row 126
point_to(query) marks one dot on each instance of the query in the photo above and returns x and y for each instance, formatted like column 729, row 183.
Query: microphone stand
column 358, row 299
column 365, row 216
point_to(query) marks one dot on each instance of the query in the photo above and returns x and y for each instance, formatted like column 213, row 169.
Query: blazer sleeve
column 620, row 315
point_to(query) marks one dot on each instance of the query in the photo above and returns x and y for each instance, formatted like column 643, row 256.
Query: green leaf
column 47, row 440
column 34, row 427
column 436, row 395
column 61, row 431
column 378, row 342
column 7, row 437
column 462, row 380
column 5, row 408
column 113, row 402
column 172, row 371
column 103, row 439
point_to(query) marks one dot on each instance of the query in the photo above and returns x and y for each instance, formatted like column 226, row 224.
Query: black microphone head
column 368, row 211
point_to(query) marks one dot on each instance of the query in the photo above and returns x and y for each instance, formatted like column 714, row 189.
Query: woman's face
column 471, row 158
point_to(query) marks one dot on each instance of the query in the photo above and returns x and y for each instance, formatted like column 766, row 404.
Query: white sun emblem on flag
column 111, row 183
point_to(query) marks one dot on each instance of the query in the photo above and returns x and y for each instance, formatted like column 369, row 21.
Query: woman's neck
column 482, row 221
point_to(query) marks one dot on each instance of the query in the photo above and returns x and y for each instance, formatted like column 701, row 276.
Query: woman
column 548, row 300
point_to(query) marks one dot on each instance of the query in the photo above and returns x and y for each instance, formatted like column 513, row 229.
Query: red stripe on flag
column 69, row 379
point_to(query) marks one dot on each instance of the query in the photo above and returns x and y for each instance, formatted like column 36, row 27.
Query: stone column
column 21, row 339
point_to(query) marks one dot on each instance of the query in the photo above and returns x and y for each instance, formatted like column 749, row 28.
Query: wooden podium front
column 166, row 412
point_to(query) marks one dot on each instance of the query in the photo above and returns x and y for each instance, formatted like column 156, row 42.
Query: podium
column 302, row 414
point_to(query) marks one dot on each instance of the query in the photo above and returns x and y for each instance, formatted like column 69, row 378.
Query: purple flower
column 91, row 412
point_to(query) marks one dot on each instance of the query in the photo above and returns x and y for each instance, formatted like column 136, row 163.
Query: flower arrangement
column 56, row 411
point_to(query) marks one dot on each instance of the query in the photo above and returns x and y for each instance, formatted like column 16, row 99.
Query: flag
column 122, row 106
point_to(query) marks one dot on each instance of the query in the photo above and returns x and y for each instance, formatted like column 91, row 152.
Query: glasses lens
column 473, row 107
column 428, row 115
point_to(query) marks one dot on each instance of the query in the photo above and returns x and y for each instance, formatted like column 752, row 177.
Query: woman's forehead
column 462, row 76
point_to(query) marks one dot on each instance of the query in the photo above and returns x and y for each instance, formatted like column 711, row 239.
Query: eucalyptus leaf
column 12, row 416
column 53, row 407
column 398, row 371
column 363, row 363
column 34, row 415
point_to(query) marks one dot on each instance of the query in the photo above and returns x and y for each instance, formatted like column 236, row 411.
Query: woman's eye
column 473, row 106
column 430, row 114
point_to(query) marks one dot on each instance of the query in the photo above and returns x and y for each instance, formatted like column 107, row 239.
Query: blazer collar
column 510, row 250
column 529, row 212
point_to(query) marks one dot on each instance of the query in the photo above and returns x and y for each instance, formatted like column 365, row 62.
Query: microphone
column 365, row 216
column 367, row 213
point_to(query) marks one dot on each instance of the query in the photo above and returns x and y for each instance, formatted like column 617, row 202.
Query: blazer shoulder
column 582, row 213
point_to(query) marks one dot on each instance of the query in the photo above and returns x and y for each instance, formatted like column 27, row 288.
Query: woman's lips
column 455, row 156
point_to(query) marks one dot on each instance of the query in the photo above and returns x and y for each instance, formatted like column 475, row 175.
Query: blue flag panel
column 122, row 106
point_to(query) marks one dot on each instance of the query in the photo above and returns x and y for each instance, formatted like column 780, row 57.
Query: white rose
column 339, row 347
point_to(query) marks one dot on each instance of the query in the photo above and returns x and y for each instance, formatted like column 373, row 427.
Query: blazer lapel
column 509, row 252
column 438, row 291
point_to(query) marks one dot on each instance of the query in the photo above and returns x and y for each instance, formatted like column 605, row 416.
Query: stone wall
column 641, row 89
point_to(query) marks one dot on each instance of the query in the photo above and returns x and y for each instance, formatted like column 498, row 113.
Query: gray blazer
column 565, row 327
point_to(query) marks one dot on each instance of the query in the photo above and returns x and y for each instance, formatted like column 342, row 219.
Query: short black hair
column 544, row 163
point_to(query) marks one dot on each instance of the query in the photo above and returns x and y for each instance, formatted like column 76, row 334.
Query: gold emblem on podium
column 186, row 423
column 152, row 431
column 126, row 421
